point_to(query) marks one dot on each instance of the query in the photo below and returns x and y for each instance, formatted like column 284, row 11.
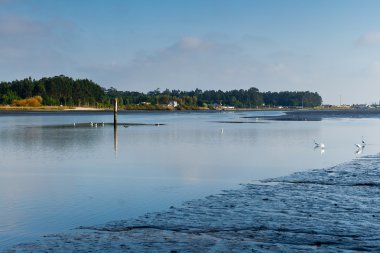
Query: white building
column 173, row 103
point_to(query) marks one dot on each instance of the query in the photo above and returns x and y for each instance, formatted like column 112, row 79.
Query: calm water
column 53, row 179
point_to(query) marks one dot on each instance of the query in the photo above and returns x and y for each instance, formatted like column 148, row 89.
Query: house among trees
column 173, row 103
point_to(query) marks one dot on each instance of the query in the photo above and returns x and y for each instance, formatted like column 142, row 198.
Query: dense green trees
column 58, row 90
column 62, row 90
column 292, row 99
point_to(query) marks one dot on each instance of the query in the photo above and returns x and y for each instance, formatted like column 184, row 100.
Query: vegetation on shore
column 67, row 92
column 35, row 101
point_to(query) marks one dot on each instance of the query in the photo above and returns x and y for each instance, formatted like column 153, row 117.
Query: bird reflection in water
column 359, row 151
column 319, row 146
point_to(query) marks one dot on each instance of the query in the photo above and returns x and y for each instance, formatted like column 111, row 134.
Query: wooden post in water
column 115, row 113
column 115, row 126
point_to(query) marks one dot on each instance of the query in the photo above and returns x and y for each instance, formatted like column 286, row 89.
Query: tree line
column 62, row 90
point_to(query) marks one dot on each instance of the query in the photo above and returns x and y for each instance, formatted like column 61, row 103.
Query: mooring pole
column 115, row 126
column 115, row 113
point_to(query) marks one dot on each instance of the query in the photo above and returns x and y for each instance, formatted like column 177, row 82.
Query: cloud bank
column 195, row 62
column 33, row 47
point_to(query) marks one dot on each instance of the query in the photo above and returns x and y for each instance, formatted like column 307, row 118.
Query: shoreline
column 201, row 109
column 84, row 109
column 310, row 114
column 76, row 108
column 331, row 209
column 49, row 108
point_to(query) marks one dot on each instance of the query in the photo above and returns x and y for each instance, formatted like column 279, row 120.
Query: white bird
column 74, row 123
column 359, row 151
column 362, row 145
column 103, row 124
column 91, row 124
column 221, row 130
column 319, row 145
column 359, row 146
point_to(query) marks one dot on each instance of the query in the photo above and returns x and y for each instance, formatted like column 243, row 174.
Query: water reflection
column 60, row 139
column 320, row 149
column 68, row 176
column 359, row 150
column 115, row 143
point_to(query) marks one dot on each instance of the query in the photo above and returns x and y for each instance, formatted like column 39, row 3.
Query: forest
column 65, row 91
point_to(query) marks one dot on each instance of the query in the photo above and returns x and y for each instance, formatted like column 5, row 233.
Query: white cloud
column 369, row 39
column 196, row 62
column 18, row 40
column 189, row 63
column 375, row 68
column 12, row 25
column 30, row 47
column 191, row 43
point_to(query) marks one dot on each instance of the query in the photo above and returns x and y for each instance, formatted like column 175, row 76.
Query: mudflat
column 332, row 209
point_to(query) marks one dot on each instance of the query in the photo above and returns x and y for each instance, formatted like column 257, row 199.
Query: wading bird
column 319, row 145
column 361, row 145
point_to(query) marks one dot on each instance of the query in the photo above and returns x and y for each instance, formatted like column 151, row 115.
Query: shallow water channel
column 55, row 176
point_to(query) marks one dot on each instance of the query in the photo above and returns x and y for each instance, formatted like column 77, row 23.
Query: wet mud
column 328, row 210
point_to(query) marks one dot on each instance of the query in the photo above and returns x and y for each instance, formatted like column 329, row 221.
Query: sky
column 327, row 46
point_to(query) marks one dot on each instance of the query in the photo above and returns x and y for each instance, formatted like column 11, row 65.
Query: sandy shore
column 50, row 108
column 84, row 109
column 329, row 210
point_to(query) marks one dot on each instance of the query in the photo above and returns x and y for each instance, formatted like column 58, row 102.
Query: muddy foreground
column 328, row 210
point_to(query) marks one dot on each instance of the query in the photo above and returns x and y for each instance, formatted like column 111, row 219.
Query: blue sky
column 332, row 47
